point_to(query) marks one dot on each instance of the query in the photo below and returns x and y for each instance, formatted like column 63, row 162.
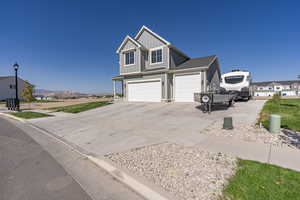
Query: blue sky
column 71, row 44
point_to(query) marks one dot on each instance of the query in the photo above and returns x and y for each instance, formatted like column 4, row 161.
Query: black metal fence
column 12, row 104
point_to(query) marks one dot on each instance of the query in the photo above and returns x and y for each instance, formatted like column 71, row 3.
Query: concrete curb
column 13, row 117
column 120, row 175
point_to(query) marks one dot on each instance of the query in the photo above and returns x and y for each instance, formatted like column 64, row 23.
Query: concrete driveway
column 123, row 125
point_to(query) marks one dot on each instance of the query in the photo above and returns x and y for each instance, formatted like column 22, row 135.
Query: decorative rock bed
column 255, row 134
column 185, row 172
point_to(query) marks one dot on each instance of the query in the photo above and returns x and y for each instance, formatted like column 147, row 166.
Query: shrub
column 276, row 97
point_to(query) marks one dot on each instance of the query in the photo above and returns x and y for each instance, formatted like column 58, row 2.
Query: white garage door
column 145, row 91
column 186, row 86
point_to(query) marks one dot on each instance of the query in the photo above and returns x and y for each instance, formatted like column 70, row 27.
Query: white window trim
column 125, row 58
column 162, row 57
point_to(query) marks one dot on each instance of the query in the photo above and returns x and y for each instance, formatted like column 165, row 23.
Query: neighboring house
column 40, row 97
column 8, row 87
column 286, row 88
column 152, row 69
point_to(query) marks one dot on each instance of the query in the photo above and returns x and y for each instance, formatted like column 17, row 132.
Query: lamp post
column 16, row 67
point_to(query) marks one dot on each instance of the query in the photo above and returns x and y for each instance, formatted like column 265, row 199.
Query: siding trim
column 144, row 80
column 124, row 42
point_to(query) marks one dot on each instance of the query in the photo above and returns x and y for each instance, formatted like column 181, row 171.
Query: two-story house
column 152, row 69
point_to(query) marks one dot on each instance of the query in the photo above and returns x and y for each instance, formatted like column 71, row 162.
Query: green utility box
column 227, row 123
column 275, row 123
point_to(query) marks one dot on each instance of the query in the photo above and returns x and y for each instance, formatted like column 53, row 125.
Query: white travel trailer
column 237, row 81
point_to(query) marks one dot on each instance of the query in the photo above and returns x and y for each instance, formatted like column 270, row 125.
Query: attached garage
column 145, row 91
column 178, row 83
column 185, row 86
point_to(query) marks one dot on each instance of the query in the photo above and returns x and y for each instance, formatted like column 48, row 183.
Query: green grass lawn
column 289, row 109
column 30, row 115
column 258, row 181
column 2, row 102
column 80, row 107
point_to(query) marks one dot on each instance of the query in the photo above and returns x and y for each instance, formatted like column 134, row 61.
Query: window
column 234, row 79
column 129, row 58
column 156, row 56
column 12, row 86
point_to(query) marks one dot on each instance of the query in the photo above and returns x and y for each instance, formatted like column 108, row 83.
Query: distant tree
column 276, row 97
column 28, row 92
column 298, row 76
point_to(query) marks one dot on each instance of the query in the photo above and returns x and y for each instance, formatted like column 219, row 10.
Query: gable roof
column 197, row 62
column 125, row 40
column 144, row 28
column 12, row 77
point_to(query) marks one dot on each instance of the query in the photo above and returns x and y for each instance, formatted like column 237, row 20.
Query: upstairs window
column 156, row 56
column 129, row 58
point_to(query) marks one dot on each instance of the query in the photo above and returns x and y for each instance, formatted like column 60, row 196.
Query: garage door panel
column 186, row 86
column 145, row 91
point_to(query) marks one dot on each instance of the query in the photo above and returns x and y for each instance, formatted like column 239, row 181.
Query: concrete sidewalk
column 267, row 153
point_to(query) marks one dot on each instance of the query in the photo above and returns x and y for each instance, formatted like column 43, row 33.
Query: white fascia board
column 125, row 40
column 151, row 32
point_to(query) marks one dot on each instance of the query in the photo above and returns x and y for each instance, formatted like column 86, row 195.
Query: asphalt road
column 27, row 172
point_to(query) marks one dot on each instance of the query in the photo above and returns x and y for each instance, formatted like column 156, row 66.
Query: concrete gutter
column 13, row 117
column 139, row 187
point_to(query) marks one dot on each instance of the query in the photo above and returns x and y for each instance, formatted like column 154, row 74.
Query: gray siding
column 164, row 64
column 176, row 58
column 6, row 92
column 128, row 45
column 170, row 87
column 130, row 68
column 213, row 76
column 144, row 77
column 149, row 42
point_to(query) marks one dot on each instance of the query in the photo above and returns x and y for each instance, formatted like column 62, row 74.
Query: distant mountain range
column 59, row 93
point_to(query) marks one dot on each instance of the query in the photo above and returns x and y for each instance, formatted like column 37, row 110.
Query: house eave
column 125, row 40
column 154, row 34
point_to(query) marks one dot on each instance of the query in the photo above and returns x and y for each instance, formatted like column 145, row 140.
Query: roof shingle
column 197, row 62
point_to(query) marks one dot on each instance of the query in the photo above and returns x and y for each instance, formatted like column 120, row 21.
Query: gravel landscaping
column 255, row 134
column 186, row 172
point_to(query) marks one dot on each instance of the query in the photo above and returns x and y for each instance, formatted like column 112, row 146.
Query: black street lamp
column 16, row 67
